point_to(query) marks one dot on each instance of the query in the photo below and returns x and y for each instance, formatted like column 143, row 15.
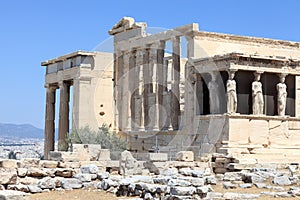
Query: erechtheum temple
column 185, row 89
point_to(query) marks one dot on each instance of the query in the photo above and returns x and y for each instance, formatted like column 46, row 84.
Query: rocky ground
column 164, row 180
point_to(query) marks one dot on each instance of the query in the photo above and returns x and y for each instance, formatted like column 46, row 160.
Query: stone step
column 261, row 158
column 276, row 151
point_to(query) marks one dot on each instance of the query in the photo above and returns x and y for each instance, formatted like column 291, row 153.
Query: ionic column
column 139, row 90
column 49, row 120
column 118, row 66
column 152, row 97
column 132, row 84
column 175, row 86
column 281, row 95
column 63, row 116
column 257, row 95
column 147, row 86
column 126, row 114
column 159, row 82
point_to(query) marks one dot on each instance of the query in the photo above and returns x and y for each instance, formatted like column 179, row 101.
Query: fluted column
column 132, row 84
column 147, row 86
column 159, row 82
column 126, row 114
column 63, row 116
column 152, row 97
column 175, row 86
column 49, row 120
column 119, row 89
column 139, row 91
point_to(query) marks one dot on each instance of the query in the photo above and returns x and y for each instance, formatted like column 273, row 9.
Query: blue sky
column 33, row 31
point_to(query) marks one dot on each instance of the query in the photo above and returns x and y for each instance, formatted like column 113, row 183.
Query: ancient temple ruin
column 241, row 94
column 211, row 92
column 80, row 71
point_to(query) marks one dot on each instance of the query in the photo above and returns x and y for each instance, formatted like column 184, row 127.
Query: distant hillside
column 20, row 130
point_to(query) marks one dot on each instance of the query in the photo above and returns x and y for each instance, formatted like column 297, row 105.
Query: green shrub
column 106, row 138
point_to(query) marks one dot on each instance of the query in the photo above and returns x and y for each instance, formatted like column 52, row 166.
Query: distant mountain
column 20, row 131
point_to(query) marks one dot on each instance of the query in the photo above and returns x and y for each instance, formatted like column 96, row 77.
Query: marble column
column 176, row 82
column 147, row 86
column 281, row 95
column 63, row 116
column 126, row 114
column 139, row 90
column 152, row 97
column 257, row 95
column 159, row 82
column 132, row 87
column 119, row 89
column 49, row 120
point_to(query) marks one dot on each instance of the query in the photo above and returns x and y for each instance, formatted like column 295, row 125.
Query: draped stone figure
column 257, row 96
column 231, row 94
column 281, row 96
column 214, row 101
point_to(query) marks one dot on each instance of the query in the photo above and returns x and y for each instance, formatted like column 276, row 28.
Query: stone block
column 27, row 180
column 157, row 157
column 13, row 195
column 238, row 131
column 71, row 183
column 18, row 187
column 47, row 183
column 56, row 156
column 294, row 137
column 30, row 162
column 66, row 173
column 89, row 169
column 9, row 163
column 259, row 131
column 34, row 189
column 22, row 172
column 187, row 156
column 279, row 133
column 294, row 125
column 8, row 176
column 36, row 172
column 48, row 164
column 102, row 154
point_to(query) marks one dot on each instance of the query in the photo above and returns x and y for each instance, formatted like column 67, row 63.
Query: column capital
column 231, row 73
column 175, row 39
column 50, row 86
column 282, row 77
column 61, row 84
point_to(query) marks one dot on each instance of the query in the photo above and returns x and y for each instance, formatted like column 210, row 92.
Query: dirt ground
column 88, row 194
column 74, row 194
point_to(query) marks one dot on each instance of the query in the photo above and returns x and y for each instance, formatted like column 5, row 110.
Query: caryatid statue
column 257, row 96
column 281, row 96
column 231, row 93
column 214, row 101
